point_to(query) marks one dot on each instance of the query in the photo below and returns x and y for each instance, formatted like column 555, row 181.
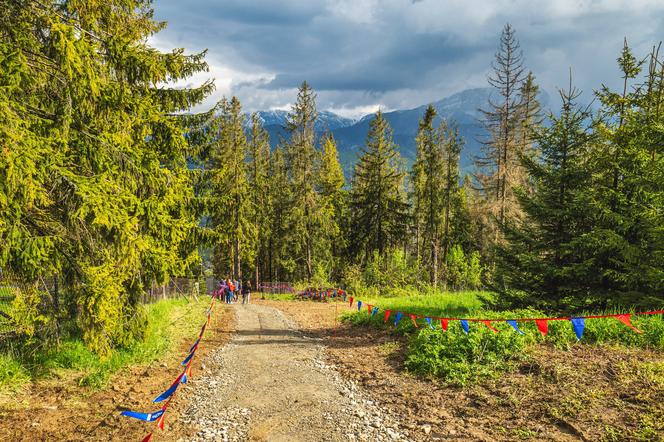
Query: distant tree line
column 110, row 183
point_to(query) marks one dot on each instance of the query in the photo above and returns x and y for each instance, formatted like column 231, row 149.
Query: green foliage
column 458, row 359
column 93, row 174
column 377, row 203
column 168, row 322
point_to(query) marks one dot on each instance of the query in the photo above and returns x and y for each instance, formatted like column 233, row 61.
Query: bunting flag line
column 578, row 322
column 168, row 394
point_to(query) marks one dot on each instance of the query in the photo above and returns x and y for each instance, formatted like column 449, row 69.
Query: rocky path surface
column 270, row 383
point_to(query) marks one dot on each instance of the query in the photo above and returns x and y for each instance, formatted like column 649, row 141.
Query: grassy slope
column 169, row 322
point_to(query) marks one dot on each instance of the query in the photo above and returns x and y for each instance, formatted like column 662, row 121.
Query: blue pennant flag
column 188, row 358
column 195, row 344
column 514, row 325
column 579, row 324
column 359, row 305
column 429, row 322
column 464, row 324
column 374, row 311
column 397, row 318
column 168, row 393
column 147, row 417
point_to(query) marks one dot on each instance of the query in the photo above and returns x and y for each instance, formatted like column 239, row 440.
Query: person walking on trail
column 236, row 292
column 246, row 292
column 230, row 288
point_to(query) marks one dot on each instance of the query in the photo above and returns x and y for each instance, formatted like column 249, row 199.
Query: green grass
column 460, row 359
column 274, row 297
column 169, row 322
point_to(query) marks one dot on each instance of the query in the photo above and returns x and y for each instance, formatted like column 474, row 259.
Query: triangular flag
column 387, row 315
column 542, row 326
column 488, row 324
column 443, row 323
column 373, row 313
column 514, row 325
column 369, row 309
column 359, row 305
column 351, row 301
column 429, row 322
column 579, row 324
column 160, row 421
column 626, row 319
column 464, row 325
column 147, row 417
column 413, row 319
column 147, row 438
column 166, row 394
column 397, row 318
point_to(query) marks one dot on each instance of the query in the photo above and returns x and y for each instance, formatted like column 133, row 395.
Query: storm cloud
column 360, row 55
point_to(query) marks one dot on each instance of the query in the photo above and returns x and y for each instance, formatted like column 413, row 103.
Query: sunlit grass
column 169, row 322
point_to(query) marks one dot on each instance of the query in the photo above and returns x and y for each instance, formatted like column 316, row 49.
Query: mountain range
column 350, row 135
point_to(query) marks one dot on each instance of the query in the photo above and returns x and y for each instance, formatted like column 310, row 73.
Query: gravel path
column 270, row 383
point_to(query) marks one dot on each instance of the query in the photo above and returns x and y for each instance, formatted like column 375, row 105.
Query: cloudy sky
column 363, row 54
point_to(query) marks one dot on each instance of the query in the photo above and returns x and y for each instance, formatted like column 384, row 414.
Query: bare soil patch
column 588, row 393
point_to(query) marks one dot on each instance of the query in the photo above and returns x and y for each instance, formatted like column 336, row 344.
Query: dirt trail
column 270, row 383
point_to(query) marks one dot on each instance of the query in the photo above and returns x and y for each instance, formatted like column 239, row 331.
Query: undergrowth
column 169, row 322
column 457, row 358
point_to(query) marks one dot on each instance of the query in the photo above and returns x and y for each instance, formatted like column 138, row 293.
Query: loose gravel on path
column 270, row 383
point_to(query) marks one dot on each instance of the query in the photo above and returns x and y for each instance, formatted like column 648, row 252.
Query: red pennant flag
column 351, row 301
column 387, row 315
column 626, row 319
column 412, row 318
column 542, row 325
column 160, row 421
column 369, row 309
column 147, row 438
column 443, row 323
column 491, row 327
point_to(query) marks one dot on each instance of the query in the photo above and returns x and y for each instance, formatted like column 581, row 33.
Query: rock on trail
column 270, row 383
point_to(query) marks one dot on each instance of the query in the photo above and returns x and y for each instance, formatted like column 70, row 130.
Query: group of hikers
column 230, row 290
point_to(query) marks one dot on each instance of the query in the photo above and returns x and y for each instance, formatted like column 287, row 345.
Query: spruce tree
column 301, row 160
column 378, row 209
column 498, row 167
column 93, row 178
column 258, row 167
column 542, row 263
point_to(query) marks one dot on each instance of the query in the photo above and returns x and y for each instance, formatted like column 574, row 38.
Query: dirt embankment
column 589, row 393
column 62, row 411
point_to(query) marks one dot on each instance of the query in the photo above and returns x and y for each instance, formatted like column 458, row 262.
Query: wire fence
column 49, row 293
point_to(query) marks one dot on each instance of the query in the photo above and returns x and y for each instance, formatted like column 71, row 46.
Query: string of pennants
column 578, row 322
column 167, row 395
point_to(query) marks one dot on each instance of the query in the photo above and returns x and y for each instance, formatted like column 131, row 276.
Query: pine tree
column 498, row 168
column 231, row 208
column 93, row 176
column 301, row 160
column 259, row 160
column 542, row 263
column 280, row 261
column 333, row 203
column 378, row 209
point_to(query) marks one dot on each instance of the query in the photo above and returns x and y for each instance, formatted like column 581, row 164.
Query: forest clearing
column 331, row 220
